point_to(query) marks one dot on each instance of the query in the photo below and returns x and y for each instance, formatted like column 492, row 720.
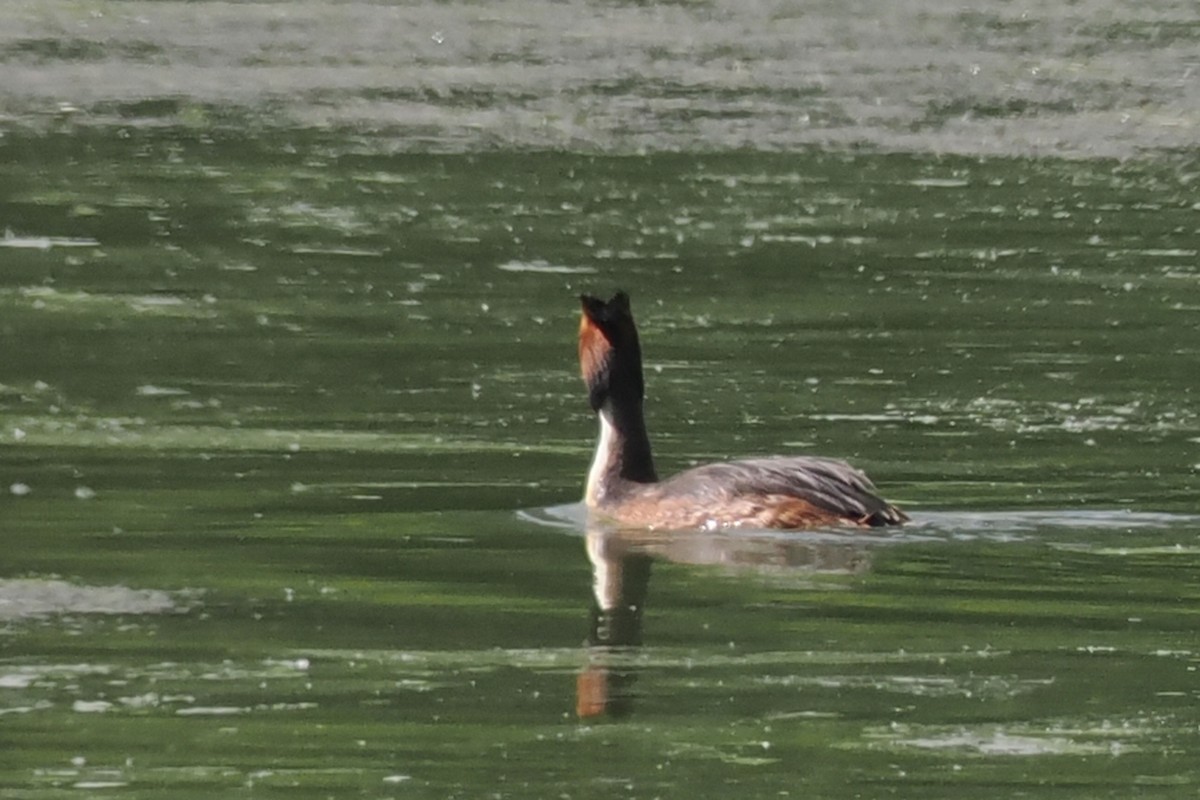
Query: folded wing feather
column 829, row 484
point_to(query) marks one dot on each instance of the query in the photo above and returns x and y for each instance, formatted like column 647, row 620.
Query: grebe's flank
column 622, row 485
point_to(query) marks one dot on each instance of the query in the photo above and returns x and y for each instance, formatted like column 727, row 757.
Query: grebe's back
column 775, row 492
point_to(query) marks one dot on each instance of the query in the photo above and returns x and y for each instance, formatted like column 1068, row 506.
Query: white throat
column 606, row 453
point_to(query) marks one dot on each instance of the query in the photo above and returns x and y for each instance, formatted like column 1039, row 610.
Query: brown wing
column 780, row 492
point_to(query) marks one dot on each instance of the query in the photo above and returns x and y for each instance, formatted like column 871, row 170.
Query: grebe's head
column 610, row 358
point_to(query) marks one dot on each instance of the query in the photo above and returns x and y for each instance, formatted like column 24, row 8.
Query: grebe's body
column 622, row 485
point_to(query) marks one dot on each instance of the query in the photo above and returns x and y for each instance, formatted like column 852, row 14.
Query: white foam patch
column 544, row 267
column 45, row 242
column 25, row 598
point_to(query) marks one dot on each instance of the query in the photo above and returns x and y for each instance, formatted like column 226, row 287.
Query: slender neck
column 622, row 454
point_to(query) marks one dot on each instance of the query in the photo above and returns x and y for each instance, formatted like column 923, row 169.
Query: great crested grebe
column 622, row 485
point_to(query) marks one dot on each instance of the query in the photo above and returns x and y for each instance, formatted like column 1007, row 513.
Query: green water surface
column 291, row 430
column 270, row 411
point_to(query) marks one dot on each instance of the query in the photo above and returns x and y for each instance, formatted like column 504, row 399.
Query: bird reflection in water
column 621, row 566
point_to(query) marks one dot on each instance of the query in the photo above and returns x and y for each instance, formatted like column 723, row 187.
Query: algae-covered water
column 291, row 434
